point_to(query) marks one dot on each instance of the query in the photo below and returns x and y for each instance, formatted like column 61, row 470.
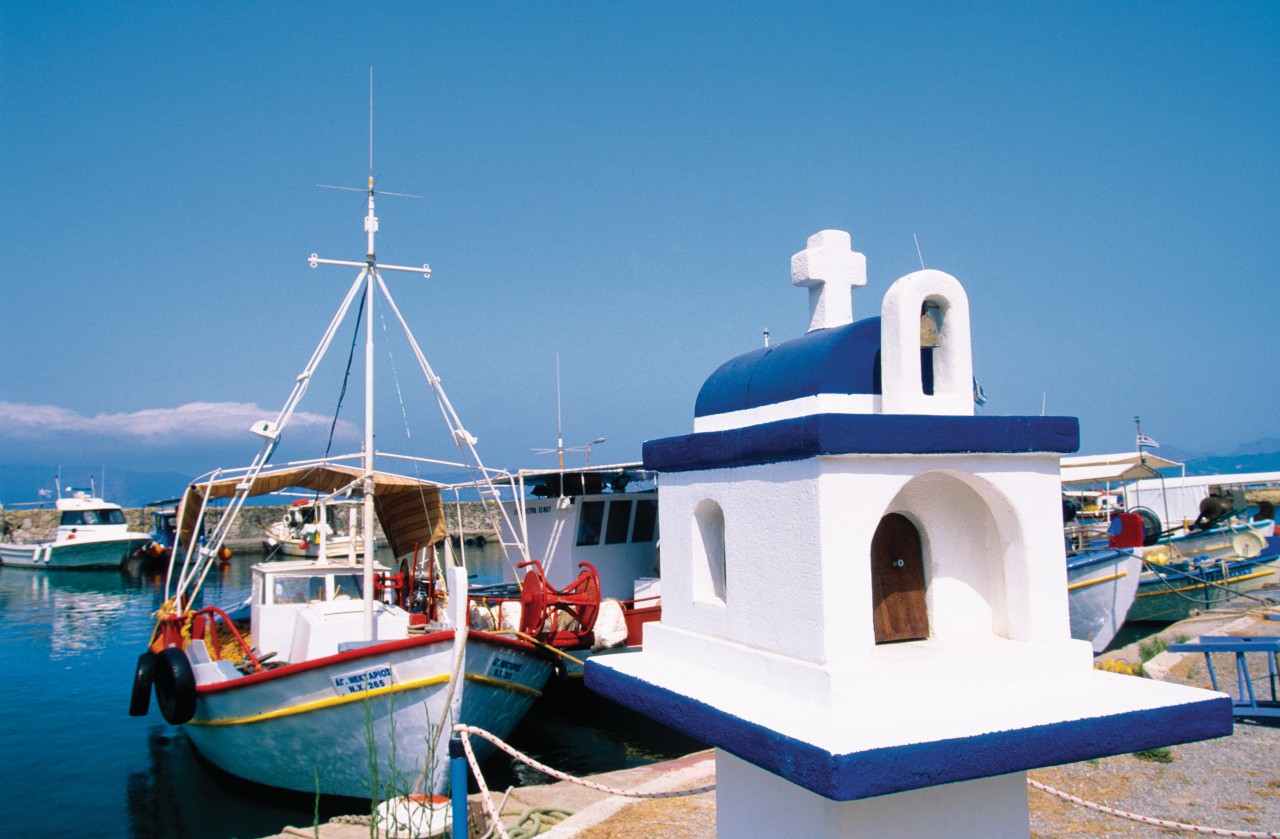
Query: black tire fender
column 175, row 685
column 140, row 701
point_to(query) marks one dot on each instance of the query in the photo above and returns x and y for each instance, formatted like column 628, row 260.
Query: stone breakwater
column 38, row 525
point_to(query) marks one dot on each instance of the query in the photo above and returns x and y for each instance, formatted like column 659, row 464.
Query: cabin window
column 646, row 521
column 297, row 589
column 619, row 522
column 74, row 518
column 589, row 523
column 709, row 577
column 347, row 584
column 310, row 589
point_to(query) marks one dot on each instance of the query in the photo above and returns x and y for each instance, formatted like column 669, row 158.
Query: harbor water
column 75, row 763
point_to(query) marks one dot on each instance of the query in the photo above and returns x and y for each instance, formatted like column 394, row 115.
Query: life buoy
column 140, row 702
column 175, row 685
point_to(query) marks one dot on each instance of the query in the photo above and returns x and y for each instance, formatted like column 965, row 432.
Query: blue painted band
column 881, row 771
column 826, row 434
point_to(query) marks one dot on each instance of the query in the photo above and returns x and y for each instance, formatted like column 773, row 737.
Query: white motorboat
column 92, row 533
column 348, row 678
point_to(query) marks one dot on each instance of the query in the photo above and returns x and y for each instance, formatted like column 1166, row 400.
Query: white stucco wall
column 798, row 546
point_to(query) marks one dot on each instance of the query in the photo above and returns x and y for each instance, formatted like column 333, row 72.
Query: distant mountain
column 130, row 488
column 21, row 483
column 1235, row 463
column 1265, row 446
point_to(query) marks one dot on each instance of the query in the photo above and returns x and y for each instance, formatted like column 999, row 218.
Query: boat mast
column 371, row 227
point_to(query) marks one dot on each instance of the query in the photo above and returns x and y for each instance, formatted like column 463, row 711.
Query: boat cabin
column 301, row 610
column 607, row 516
column 83, row 515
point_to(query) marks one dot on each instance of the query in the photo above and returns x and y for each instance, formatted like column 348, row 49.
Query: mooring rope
column 495, row 818
column 1111, row 811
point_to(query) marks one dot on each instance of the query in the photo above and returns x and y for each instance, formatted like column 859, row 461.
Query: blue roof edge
column 831, row 434
column 881, row 771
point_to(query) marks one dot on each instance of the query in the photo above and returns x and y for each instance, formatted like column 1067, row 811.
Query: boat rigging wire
column 408, row 435
column 198, row 559
column 465, row 443
column 346, row 376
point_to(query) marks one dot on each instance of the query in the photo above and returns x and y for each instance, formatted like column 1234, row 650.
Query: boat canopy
column 410, row 510
column 1113, row 468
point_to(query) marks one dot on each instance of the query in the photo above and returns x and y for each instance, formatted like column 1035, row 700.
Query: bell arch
column 908, row 344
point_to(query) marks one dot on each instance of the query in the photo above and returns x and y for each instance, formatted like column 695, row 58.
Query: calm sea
column 74, row 763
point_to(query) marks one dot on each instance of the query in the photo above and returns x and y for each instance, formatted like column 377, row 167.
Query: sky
column 613, row 192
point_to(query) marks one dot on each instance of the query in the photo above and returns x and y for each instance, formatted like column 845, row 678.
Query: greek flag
column 979, row 395
column 1146, row 442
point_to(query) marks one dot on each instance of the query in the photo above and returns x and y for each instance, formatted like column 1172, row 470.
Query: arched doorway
column 899, row 612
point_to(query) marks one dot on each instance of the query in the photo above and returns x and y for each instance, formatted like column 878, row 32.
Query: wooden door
column 897, row 581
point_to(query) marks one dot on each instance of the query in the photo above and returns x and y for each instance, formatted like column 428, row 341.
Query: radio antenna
column 369, row 189
column 371, row 123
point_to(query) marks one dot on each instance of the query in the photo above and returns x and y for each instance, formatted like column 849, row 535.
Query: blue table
column 1246, row 705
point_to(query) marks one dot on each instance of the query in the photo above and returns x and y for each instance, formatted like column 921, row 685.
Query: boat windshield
column 80, row 517
column 311, row 588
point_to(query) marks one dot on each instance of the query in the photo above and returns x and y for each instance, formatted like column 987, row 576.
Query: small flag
column 979, row 395
column 1146, row 442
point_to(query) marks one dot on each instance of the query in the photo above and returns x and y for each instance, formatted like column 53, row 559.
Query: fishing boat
column 350, row 672
column 1101, row 585
column 310, row 529
column 1101, row 536
column 1119, row 518
column 596, row 531
column 92, row 533
column 164, row 531
column 1201, row 569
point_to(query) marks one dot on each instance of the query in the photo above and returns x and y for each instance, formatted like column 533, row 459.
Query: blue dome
column 844, row 359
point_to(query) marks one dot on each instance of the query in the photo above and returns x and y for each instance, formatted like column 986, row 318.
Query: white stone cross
column 829, row 268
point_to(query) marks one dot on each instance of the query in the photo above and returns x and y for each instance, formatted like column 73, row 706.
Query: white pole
column 371, row 225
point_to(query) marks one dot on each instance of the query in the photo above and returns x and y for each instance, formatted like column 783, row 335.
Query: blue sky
column 624, row 185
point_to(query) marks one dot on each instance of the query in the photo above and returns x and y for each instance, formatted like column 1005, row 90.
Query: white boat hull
column 81, row 553
column 336, row 548
column 1101, row 587
column 296, row 728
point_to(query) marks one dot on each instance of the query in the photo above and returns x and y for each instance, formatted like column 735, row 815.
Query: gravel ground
column 1230, row 783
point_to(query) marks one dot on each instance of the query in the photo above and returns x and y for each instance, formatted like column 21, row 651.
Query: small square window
column 619, row 522
column 589, row 522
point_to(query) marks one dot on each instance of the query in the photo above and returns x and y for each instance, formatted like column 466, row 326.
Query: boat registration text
column 371, row 678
